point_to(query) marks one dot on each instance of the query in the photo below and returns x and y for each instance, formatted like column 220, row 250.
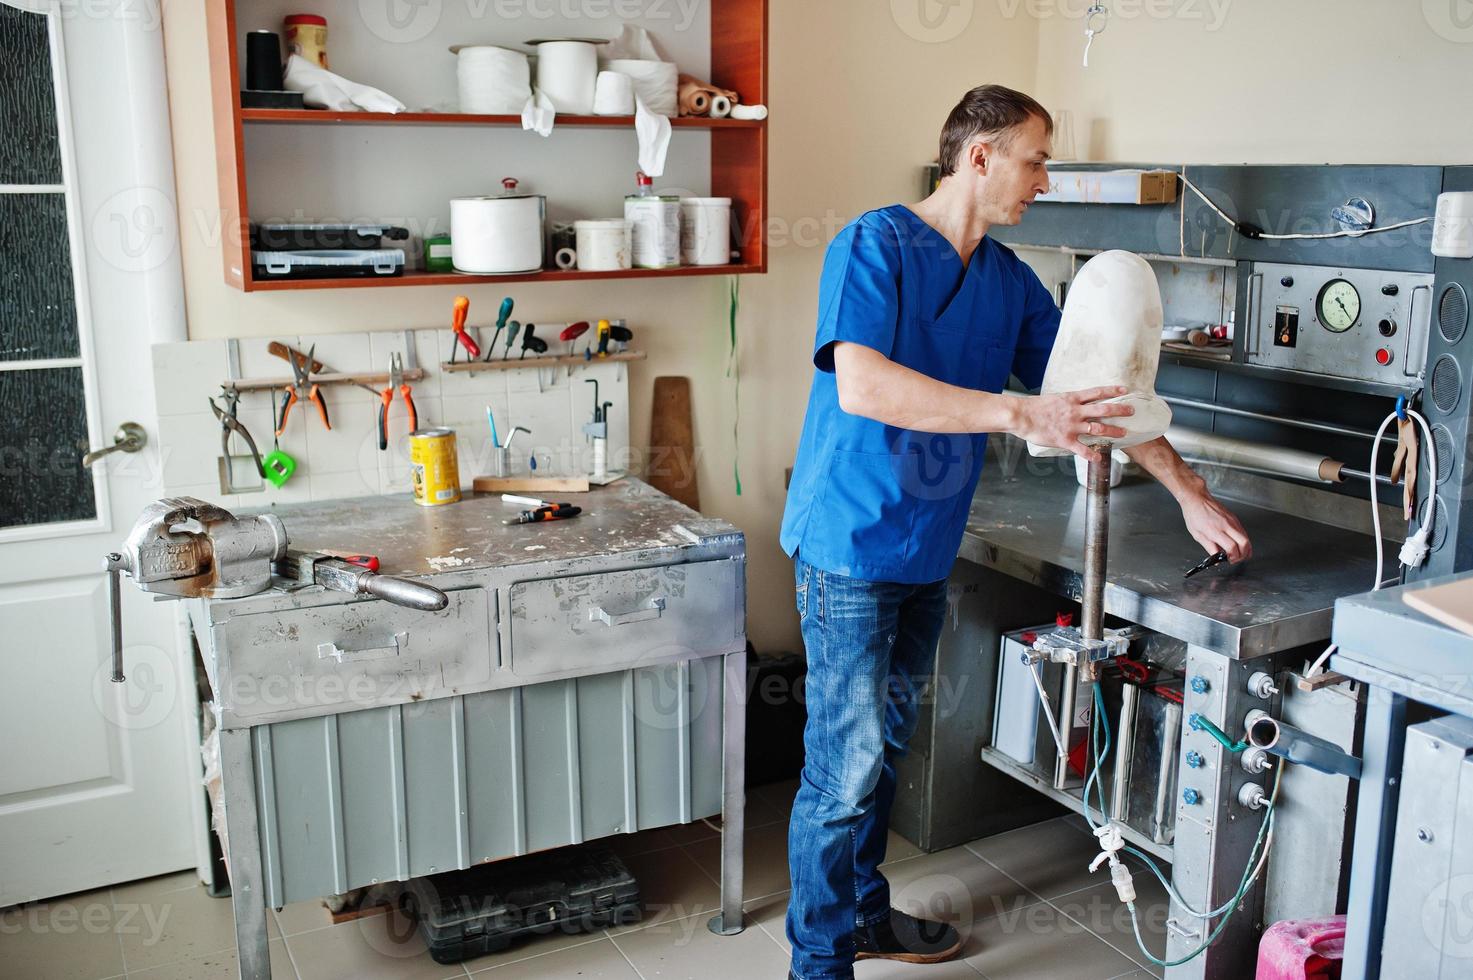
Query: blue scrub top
column 880, row 503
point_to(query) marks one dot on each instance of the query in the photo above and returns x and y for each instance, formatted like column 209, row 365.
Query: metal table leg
column 248, row 894
column 1375, row 826
column 733, row 793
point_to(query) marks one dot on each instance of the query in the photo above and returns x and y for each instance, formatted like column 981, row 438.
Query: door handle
column 129, row 438
column 653, row 610
column 335, row 652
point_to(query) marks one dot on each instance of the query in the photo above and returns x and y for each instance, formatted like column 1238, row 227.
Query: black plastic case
column 464, row 914
column 296, row 236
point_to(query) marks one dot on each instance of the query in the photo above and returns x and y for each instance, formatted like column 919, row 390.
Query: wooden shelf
column 372, row 380
column 421, row 278
column 738, row 149
column 547, row 360
column 322, row 116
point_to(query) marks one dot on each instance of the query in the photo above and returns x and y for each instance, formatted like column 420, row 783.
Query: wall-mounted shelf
column 566, row 360
column 324, row 117
column 738, row 32
column 421, row 278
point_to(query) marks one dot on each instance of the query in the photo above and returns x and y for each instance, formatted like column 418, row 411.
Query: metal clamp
column 653, row 610
column 335, row 652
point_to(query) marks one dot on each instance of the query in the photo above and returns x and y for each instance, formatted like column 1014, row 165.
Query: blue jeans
column 870, row 649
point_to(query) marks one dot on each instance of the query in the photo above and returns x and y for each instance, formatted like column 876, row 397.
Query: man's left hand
column 1215, row 527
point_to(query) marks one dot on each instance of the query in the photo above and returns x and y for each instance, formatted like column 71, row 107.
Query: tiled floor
column 1024, row 902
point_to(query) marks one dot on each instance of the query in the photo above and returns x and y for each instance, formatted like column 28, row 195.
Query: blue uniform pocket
column 864, row 510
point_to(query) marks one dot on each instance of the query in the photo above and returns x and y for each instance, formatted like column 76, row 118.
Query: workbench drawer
column 624, row 618
column 320, row 659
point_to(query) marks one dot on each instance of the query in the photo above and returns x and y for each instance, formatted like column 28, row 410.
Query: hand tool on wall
column 277, row 349
column 501, row 321
column 602, row 336
column 595, row 429
column 396, row 382
column 531, row 342
column 572, row 332
column 549, row 512
column 317, row 568
column 491, row 421
column 512, row 330
column 620, row 334
column 462, row 338
column 228, row 424
column 512, row 438
column 302, row 390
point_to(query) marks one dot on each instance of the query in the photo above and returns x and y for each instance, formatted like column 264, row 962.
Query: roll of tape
column 565, row 258
column 720, row 107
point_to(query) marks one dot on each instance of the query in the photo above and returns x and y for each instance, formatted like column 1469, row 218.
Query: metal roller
column 1241, row 454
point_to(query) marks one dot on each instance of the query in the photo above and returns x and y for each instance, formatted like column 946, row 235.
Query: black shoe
column 907, row 939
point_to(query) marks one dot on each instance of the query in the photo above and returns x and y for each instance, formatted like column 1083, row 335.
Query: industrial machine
column 1310, row 335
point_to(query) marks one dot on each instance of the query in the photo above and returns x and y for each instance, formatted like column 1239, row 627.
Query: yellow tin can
column 436, row 468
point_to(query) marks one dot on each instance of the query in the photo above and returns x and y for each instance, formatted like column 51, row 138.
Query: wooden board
column 530, row 484
column 672, row 460
column 1450, row 604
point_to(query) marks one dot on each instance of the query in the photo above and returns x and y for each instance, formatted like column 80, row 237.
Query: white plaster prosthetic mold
column 1111, row 335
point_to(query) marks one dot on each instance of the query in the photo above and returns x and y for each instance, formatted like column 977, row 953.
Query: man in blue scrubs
column 921, row 319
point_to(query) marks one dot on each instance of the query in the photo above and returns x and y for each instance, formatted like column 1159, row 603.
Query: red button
column 1383, row 356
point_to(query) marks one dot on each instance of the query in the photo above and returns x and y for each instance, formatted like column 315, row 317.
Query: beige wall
column 856, row 103
column 859, row 91
column 1263, row 81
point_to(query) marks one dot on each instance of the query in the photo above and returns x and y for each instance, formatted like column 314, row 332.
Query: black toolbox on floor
column 484, row 909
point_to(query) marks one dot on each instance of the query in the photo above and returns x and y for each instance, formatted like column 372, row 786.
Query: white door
column 97, row 784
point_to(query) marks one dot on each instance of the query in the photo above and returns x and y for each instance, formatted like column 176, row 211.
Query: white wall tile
column 185, row 374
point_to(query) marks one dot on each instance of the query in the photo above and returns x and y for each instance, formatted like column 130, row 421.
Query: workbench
column 587, row 679
column 1023, row 550
column 1411, row 869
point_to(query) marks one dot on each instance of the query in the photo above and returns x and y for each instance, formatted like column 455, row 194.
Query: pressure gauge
column 1338, row 305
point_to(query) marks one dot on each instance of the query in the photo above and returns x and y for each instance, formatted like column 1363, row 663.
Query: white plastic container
column 497, row 235
column 654, row 230
column 705, row 230
column 603, row 245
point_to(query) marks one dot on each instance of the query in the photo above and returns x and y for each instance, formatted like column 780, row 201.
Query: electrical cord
column 1252, row 231
column 1414, row 549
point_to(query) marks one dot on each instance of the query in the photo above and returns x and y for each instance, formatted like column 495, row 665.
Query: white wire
column 1426, row 529
column 1319, row 662
column 1324, row 234
column 1053, row 726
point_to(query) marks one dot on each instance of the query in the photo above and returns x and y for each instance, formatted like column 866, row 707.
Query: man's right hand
column 1060, row 421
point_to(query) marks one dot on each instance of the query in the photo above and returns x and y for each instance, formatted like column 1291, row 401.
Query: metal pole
column 115, row 613
column 1096, row 545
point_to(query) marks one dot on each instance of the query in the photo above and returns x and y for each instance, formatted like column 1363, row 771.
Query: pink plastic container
column 1302, row 949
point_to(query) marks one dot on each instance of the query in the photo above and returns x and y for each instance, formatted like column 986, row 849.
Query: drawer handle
column 652, row 611
column 326, row 650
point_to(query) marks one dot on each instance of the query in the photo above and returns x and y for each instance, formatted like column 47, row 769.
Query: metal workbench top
column 627, row 516
column 1027, row 520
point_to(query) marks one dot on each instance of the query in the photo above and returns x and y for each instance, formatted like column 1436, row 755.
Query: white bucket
column 603, row 245
column 654, row 230
column 705, row 230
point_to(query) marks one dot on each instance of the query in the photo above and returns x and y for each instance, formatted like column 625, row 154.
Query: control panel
column 1360, row 324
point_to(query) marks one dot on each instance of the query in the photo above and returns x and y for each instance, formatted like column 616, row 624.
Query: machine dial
column 1338, row 305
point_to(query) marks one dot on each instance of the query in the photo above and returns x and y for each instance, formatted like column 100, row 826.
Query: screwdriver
column 552, row 512
column 512, row 329
column 532, row 343
column 572, row 333
column 506, row 307
column 457, row 323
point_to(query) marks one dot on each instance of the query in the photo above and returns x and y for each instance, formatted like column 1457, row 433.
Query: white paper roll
column 720, row 107
column 566, row 73
column 492, row 80
column 749, row 112
column 613, row 94
column 496, row 235
column 655, row 82
column 565, row 258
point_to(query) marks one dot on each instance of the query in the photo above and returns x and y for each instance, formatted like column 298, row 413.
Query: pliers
column 302, row 390
column 229, row 423
column 396, row 380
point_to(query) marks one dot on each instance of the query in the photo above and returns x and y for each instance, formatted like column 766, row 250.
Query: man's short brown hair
column 991, row 110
